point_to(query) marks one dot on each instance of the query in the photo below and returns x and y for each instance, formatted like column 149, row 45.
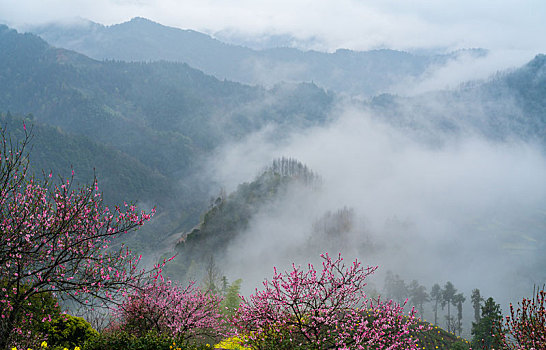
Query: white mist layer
column 472, row 212
column 462, row 69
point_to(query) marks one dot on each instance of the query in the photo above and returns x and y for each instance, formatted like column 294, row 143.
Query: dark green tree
column 458, row 301
column 448, row 294
column 476, row 299
column 232, row 299
column 485, row 333
column 436, row 296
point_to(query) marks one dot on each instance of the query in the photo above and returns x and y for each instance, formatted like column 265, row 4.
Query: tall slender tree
column 212, row 282
column 476, row 299
column 448, row 294
column 458, row 301
column 436, row 295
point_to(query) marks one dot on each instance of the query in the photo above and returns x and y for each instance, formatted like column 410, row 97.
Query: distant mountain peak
column 143, row 21
column 140, row 19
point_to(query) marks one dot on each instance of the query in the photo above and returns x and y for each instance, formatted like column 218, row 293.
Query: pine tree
column 458, row 301
column 476, row 299
column 484, row 331
column 436, row 295
column 448, row 293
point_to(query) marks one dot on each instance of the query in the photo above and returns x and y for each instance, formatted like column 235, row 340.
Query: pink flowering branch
column 55, row 239
column 526, row 324
column 323, row 310
column 166, row 307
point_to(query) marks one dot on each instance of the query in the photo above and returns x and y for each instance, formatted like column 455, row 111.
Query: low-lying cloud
column 326, row 25
column 471, row 211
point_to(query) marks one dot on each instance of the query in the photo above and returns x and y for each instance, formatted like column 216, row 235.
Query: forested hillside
column 228, row 216
column 508, row 106
column 164, row 116
column 59, row 152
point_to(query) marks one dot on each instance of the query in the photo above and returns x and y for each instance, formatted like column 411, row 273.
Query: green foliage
column 116, row 340
column 40, row 309
column 68, row 331
column 228, row 216
column 124, row 340
column 460, row 346
column 485, row 332
column 437, row 338
column 59, row 152
column 477, row 300
column 232, row 300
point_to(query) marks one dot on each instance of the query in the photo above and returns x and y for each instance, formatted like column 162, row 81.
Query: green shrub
column 67, row 331
column 116, row 340
column 460, row 346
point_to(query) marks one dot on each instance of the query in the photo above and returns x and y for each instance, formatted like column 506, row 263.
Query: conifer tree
column 448, row 294
column 436, row 295
column 476, row 299
column 486, row 332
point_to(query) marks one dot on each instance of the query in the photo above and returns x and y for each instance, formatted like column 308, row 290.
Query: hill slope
column 143, row 108
column 509, row 106
column 228, row 216
column 164, row 117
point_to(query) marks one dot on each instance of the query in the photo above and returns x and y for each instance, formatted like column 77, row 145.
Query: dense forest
column 163, row 118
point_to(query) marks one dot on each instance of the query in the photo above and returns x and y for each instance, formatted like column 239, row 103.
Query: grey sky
column 507, row 25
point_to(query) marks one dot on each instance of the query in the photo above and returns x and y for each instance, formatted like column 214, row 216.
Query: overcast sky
column 517, row 25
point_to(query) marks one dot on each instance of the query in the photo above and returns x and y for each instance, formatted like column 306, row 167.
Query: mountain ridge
column 347, row 71
column 167, row 116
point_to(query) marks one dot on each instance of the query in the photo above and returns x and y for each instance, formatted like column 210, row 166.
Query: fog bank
column 471, row 211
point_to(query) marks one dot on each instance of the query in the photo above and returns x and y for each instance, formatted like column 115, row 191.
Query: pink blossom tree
column 323, row 310
column 55, row 239
column 525, row 327
column 187, row 313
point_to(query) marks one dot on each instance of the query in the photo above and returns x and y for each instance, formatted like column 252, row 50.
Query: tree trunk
column 6, row 327
column 436, row 313
column 448, row 318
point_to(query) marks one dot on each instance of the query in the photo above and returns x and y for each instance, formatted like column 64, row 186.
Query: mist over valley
column 428, row 163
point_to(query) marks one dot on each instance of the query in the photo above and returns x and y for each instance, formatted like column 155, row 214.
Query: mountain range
column 363, row 73
column 144, row 105
column 157, row 121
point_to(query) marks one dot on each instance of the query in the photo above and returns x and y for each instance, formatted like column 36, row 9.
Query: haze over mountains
column 429, row 183
column 357, row 73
